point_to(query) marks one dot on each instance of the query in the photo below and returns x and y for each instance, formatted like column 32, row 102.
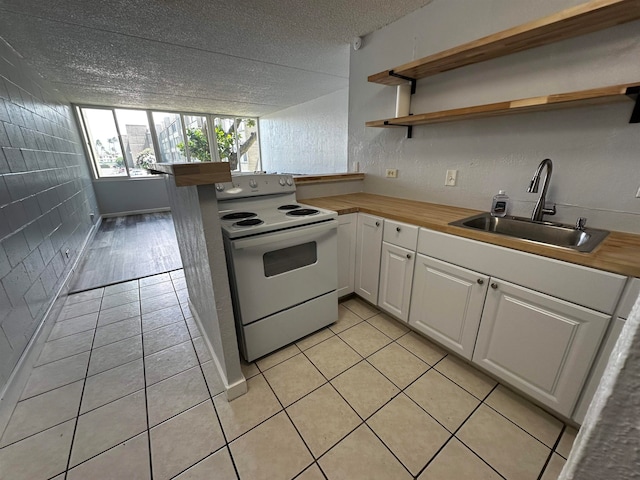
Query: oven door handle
column 286, row 235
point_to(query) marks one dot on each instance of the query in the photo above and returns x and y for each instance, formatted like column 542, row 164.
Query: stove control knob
column 282, row 181
column 289, row 181
column 220, row 187
column 253, row 183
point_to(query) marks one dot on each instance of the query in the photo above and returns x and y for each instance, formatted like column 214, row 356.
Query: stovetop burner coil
column 288, row 207
column 238, row 215
column 248, row 223
column 302, row 212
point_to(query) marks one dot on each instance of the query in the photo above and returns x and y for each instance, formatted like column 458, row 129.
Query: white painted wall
column 594, row 150
column 125, row 196
column 307, row 138
column 195, row 215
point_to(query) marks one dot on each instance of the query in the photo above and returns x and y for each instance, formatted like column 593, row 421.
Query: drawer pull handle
column 377, row 224
column 408, row 255
column 397, row 229
column 480, row 281
column 494, row 286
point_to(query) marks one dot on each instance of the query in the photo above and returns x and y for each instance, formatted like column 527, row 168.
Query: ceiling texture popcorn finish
column 249, row 57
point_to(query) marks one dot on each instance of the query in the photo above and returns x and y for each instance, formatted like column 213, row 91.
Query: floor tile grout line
column 453, row 435
column 521, row 427
column 356, row 298
column 84, row 384
column 55, row 388
column 70, row 334
column 225, row 446
column 146, row 399
column 36, row 433
column 279, row 363
column 115, row 399
column 553, row 450
column 61, row 358
column 386, row 334
column 384, row 443
column 211, row 397
column 115, row 321
column 63, row 320
column 306, row 469
column 66, row 319
column 284, row 409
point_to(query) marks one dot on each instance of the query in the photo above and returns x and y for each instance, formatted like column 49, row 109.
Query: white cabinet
column 447, row 303
column 396, row 268
column 347, row 228
column 541, row 345
column 396, row 271
column 368, row 246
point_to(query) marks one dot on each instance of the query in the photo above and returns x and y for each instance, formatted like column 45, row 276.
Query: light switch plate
column 638, row 193
column 450, row 180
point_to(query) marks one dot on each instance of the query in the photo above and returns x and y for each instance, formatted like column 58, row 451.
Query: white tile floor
column 125, row 388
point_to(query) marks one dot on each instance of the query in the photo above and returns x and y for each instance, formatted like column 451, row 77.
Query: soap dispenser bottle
column 500, row 204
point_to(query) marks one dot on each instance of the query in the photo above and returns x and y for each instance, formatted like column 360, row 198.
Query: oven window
column 290, row 258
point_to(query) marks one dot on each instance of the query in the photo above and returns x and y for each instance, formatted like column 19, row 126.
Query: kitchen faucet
column 539, row 210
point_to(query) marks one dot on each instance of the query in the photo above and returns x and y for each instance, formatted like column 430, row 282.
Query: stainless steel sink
column 554, row 234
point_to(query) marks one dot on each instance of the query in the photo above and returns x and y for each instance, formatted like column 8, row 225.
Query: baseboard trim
column 233, row 390
column 11, row 390
column 136, row 212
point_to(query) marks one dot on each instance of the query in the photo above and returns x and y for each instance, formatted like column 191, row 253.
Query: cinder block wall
column 46, row 197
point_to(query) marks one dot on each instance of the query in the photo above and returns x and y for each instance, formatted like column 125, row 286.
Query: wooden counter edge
column 327, row 177
column 190, row 174
column 607, row 256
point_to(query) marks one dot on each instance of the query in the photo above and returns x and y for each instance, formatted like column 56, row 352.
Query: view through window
column 125, row 142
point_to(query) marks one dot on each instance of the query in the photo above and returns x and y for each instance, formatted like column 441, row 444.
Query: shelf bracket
column 409, row 127
column 408, row 79
column 631, row 92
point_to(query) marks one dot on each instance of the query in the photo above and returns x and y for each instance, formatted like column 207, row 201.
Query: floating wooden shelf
column 596, row 96
column 572, row 22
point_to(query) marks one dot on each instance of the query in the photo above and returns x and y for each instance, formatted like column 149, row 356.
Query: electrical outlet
column 66, row 252
column 392, row 173
column 450, row 180
column 638, row 193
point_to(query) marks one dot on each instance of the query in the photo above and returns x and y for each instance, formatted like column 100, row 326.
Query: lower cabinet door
column 347, row 253
column 539, row 344
column 396, row 271
column 368, row 245
column 447, row 303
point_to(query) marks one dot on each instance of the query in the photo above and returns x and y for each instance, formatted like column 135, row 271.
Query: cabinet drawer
column 401, row 234
column 585, row 286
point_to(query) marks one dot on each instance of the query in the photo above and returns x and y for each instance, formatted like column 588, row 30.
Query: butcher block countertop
column 618, row 253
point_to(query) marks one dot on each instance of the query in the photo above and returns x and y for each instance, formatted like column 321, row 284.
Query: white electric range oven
column 282, row 261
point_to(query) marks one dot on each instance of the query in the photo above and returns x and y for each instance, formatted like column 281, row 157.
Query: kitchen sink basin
column 554, row 234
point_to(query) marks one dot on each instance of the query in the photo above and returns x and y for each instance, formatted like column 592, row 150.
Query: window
column 237, row 140
column 135, row 134
column 125, row 142
column 102, row 137
column 170, row 136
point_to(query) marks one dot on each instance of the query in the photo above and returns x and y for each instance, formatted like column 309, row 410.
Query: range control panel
column 252, row 185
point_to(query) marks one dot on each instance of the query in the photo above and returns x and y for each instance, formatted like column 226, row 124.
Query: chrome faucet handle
column 580, row 223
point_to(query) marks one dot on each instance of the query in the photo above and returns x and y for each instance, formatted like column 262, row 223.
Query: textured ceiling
column 248, row 57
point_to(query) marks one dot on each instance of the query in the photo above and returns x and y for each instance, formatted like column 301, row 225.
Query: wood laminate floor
column 129, row 247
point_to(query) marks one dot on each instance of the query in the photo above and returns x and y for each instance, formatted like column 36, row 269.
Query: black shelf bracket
column 408, row 79
column 631, row 93
column 409, row 127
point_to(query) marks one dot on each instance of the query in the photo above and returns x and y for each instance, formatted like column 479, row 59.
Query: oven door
column 279, row 270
